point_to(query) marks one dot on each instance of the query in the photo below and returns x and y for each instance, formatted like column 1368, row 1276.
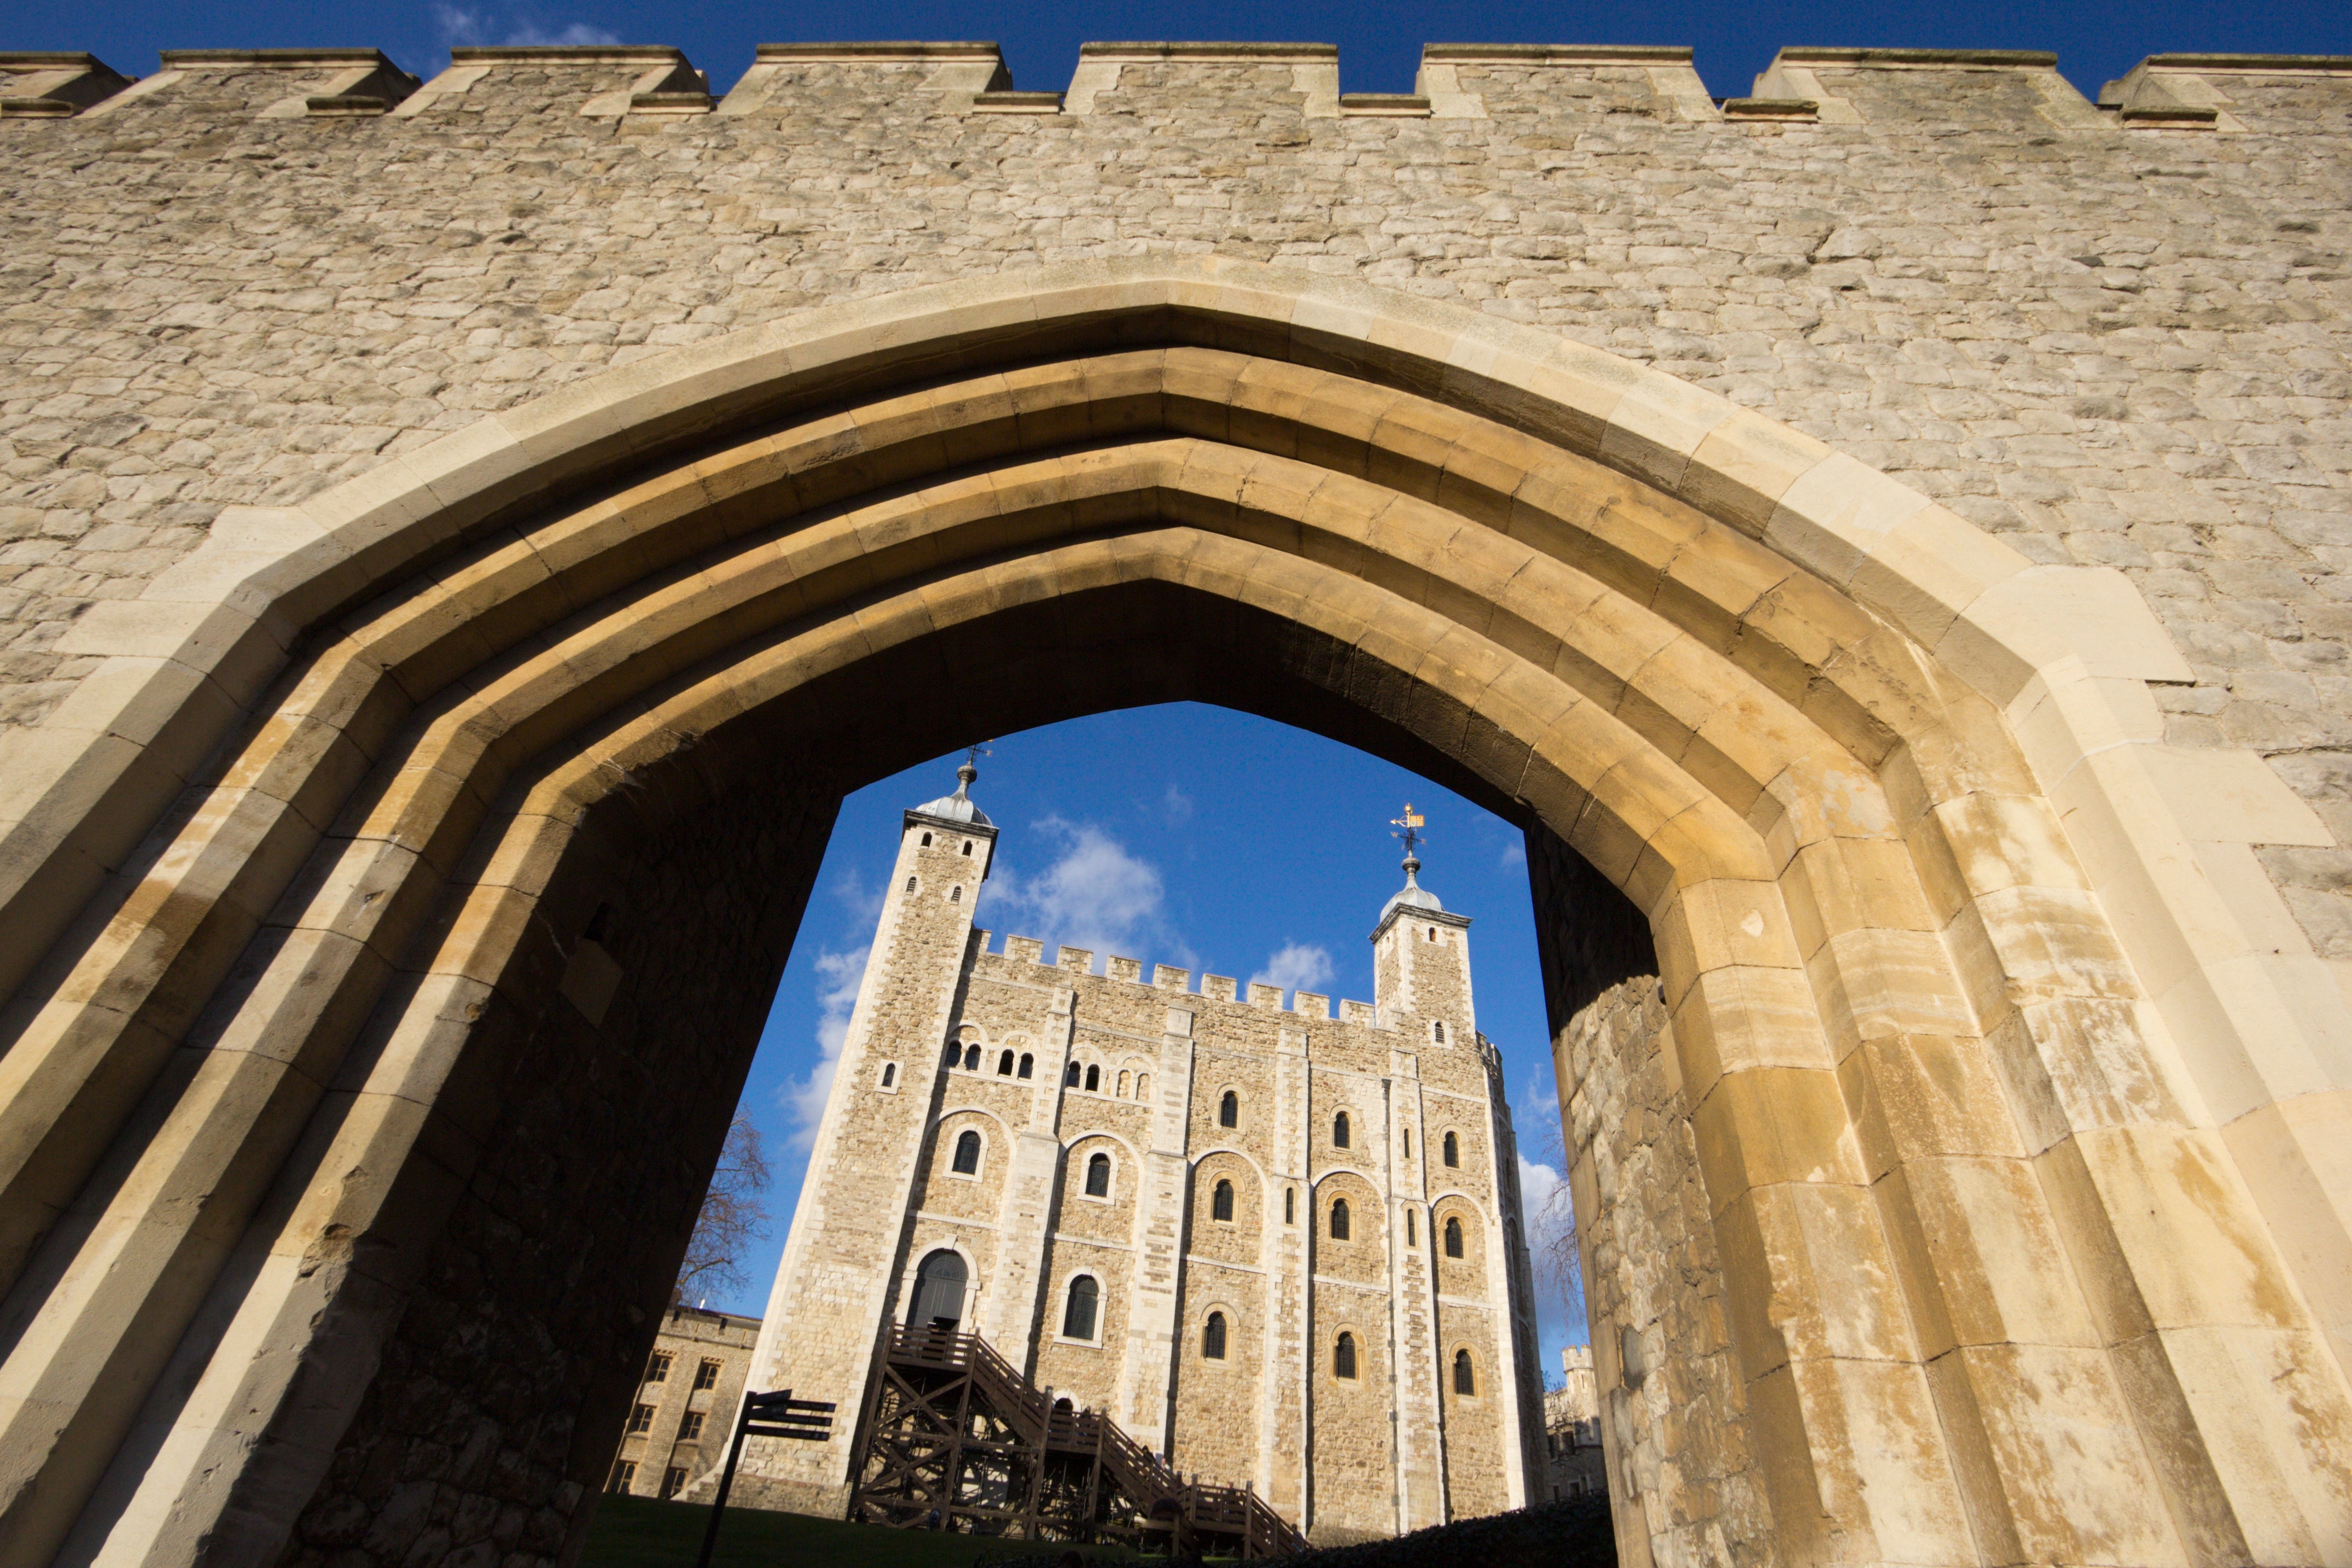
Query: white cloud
column 1296, row 964
column 1551, row 1228
column 1176, row 806
column 462, row 26
column 1514, row 853
column 838, row 976
column 1096, row 894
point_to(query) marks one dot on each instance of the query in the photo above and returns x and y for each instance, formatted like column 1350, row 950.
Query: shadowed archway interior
column 352, row 1124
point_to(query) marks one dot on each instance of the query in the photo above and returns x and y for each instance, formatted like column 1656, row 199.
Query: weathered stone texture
column 1683, row 1480
column 2110, row 346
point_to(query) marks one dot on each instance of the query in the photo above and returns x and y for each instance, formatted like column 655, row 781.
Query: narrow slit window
column 1290, row 1206
column 1408, row 1143
column 1409, row 1237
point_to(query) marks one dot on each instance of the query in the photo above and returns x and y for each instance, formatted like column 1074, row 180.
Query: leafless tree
column 732, row 1216
column 1559, row 1269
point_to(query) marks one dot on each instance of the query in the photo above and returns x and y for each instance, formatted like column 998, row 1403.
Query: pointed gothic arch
column 292, row 885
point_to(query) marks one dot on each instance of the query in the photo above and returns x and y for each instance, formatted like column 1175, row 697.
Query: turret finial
column 1410, row 825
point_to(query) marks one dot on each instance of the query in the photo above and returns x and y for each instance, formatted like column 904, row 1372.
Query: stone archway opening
column 369, row 1059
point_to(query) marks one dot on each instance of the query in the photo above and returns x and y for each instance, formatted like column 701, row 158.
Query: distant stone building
column 1279, row 1247
column 679, row 1423
column 1573, row 1464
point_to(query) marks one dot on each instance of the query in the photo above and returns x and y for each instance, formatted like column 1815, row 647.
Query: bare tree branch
column 732, row 1216
column 1560, row 1268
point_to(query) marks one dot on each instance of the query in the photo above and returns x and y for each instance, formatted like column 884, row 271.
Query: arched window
column 1070, row 1078
column 1213, row 1337
column 1433, row 933
column 1099, row 1177
column 889, row 1074
column 1409, row 1237
column 1453, row 1150
column 1122, row 1084
column 1437, row 1032
column 1028, row 1065
column 911, row 885
column 1229, row 1110
column 1290, row 1206
column 1078, row 1314
column 927, row 841
column 971, row 1058
column 967, row 846
column 938, row 1290
column 1143, row 1086
column 955, row 894
column 1343, row 1357
column 1221, row 1202
column 1339, row 1131
column 1004, row 1065
column 1465, row 1377
column 1339, row 1219
column 1453, row 1236
column 1094, row 1079
column 967, row 1155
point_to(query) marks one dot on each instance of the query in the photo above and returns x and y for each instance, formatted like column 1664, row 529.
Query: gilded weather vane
column 1410, row 826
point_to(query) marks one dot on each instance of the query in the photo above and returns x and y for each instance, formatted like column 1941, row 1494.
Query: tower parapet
column 1249, row 1233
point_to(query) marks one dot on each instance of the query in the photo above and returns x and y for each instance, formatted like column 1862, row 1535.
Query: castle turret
column 1421, row 965
column 841, row 1256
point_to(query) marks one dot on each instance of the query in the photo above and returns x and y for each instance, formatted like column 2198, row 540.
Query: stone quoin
column 1883, row 538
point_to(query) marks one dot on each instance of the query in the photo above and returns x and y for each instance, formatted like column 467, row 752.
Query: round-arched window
column 1453, row 1150
column 967, row 1155
column 1079, row 1312
column 1229, row 1110
column 939, row 1292
column 971, row 1058
column 1213, row 1337
column 1339, row 1131
column 1343, row 1355
column 1453, row 1236
column 1070, row 1078
column 1099, row 1177
column 1466, row 1376
column 1339, row 1219
column 1004, row 1065
column 1221, row 1202
column 1028, row 1064
column 1094, row 1079
column 1437, row 1032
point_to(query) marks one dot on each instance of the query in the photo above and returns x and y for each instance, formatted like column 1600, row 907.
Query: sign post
column 777, row 1414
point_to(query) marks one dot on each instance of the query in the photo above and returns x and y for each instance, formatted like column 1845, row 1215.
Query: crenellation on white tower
column 1088, row 1169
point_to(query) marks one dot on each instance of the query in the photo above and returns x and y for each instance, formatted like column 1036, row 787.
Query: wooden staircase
column 954, row 1437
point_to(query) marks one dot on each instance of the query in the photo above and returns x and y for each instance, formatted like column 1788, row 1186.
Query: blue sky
column 1380, row 40
column 1188, row 835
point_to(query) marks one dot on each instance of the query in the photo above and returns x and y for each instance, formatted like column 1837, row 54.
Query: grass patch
column 644, row 1533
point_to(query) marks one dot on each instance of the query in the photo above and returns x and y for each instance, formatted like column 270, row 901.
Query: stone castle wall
column 2108, row 336
column 1050, row 1068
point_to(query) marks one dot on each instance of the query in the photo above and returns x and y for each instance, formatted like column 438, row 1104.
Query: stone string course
column 2110, row 345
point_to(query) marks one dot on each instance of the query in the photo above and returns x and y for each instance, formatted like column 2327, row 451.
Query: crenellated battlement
column 1986, row 89
column 1216, row 988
